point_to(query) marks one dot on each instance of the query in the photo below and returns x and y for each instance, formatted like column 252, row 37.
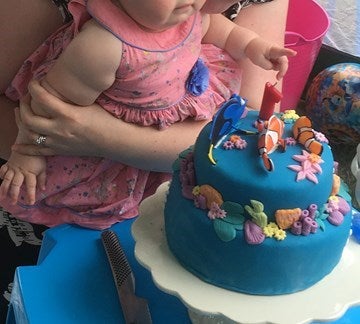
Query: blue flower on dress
column 198, row 80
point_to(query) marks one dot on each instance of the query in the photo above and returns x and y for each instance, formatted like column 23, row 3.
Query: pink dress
column 149, row 90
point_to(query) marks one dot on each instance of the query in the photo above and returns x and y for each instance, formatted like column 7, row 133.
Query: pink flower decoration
column 221, row 213
column 228, row 145
column 304, row 173
column 320, row 137
column 240, row 144
column 212, row 214
column 332, row 206
column 290, row 141
column 216, row 212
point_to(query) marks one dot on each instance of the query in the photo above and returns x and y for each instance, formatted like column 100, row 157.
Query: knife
column 135, row 309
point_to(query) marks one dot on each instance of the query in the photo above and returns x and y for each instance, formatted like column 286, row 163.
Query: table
column 72, row 283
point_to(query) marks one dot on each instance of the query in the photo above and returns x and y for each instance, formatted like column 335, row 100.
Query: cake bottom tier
column 270, row 268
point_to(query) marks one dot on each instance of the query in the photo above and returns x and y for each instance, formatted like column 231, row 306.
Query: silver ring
column 40, row 140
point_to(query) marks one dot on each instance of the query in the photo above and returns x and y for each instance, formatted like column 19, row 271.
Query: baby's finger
column 277, row 52
column 265, row 63
column 290, row 52
column 5, row 185
column 30, row 185
column 14, row 189
column 42, row 181
column 3, row 170
column 282, row 67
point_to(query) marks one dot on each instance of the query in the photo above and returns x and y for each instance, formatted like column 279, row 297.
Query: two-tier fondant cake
column 256, row 205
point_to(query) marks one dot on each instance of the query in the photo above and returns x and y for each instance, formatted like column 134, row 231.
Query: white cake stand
column 327, row 300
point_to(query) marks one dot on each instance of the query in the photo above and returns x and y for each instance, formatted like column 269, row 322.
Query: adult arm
column 24, row 25
column 91, row 131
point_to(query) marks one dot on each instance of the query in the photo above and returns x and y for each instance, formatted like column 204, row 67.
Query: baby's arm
column 83, row 71
column 240, row 42
column 87, row 67
column 22, row 169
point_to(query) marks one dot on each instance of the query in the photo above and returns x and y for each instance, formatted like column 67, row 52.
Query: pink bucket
column 307, row 23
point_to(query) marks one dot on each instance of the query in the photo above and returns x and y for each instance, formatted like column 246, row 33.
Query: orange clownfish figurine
column 270, row 138
column 304, row 134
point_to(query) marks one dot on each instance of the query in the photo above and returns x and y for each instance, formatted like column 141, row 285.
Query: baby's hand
column 269, row 56
column 19, row 170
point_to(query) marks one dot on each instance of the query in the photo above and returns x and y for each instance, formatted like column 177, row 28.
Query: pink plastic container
column 306, row 25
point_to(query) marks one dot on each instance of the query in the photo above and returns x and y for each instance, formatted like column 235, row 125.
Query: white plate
column 327, row 300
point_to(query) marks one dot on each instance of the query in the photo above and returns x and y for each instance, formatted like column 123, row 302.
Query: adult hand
column 92, row 131
column 65, row 128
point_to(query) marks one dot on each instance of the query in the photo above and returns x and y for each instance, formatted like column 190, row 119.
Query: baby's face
column 217, row 6
column 159, row 15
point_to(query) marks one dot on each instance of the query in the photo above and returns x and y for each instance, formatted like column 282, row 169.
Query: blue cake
column 255, row 208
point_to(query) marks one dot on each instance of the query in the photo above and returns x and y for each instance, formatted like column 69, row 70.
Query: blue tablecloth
column 73, row 283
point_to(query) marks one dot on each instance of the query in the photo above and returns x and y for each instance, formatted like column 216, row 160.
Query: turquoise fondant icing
column 274, row 266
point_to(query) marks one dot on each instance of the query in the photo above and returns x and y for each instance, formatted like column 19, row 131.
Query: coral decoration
column 309, row 225
column 296, row 228
column 211, row 195
column 286, row 217
column 256, row 211
column 187, row 175
column 309, row 167
column 336, row 185
column 306, row 224
column 312, row 210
